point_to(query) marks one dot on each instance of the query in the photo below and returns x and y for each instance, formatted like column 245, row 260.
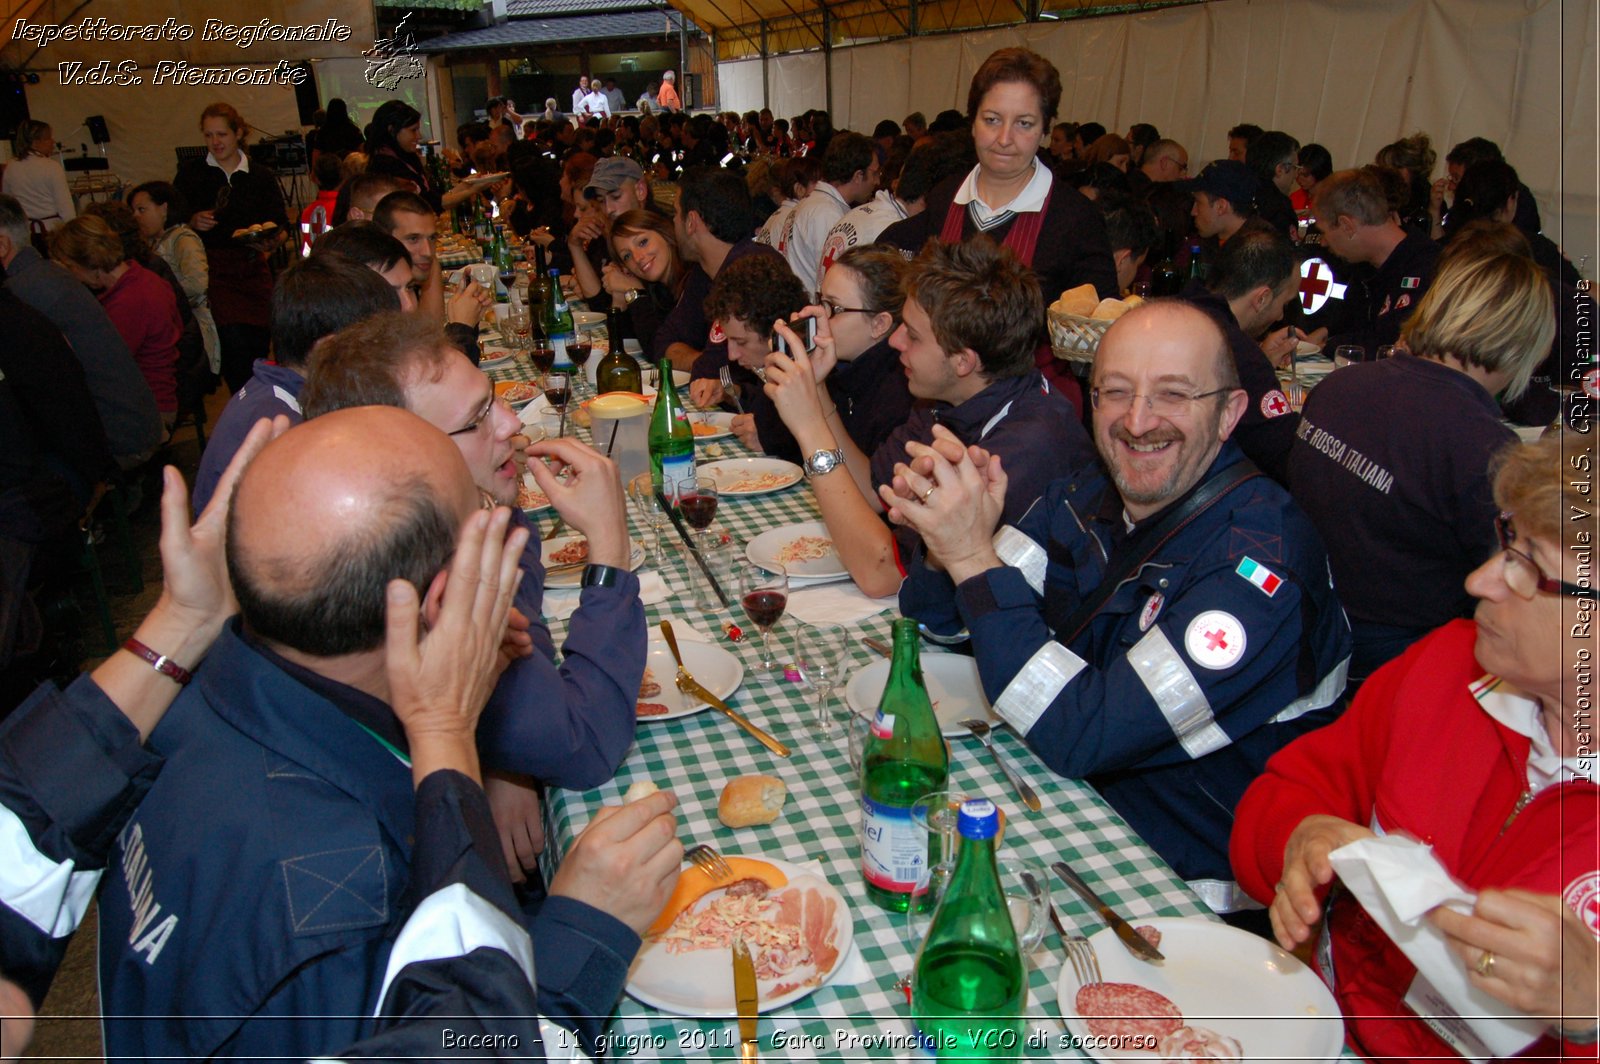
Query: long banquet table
column 695, row 756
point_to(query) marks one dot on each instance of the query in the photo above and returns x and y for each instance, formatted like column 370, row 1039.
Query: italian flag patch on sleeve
column 1259, row 575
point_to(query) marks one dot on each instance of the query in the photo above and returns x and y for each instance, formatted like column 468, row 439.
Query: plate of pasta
column 740, row 477
column 805, row 550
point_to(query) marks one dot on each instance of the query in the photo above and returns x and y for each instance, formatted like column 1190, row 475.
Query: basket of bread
column 1080, row 318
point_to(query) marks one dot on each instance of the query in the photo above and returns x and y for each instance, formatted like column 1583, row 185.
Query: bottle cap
column 978, row 819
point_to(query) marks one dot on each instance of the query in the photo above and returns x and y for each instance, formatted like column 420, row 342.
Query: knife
column 1124, row 931
column 879, row 645
column 689, row 685
column 744, row 992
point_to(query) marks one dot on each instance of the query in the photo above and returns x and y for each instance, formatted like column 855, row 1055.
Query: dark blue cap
column 978, row 820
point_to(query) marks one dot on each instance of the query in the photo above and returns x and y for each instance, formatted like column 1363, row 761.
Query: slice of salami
column 651, row 709
column 1199, row 1043
column 1126, row 1010
column 1150, row 935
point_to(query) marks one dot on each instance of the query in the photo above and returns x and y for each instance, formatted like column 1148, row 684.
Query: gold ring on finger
column 931, row 489
column 1485, row 965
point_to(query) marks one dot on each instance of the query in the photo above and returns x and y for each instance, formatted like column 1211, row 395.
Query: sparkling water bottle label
column 675, row 469
column 563, row 360
column 893, row 849
column 883, row 725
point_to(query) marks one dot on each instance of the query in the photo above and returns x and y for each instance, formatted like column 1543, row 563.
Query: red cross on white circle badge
column 1317, row 285
column 1214, row 639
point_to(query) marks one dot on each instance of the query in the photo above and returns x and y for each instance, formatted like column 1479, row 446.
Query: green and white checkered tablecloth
column 695, row 756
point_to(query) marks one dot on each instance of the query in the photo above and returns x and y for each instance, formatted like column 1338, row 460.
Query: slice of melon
column 694, row 884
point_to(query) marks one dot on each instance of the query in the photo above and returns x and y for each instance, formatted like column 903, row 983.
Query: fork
column 980, row 729
column 1085, row 962
column 709, row 861
column 725, row 375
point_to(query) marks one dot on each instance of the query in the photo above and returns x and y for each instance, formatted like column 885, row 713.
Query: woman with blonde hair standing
column 37, row 179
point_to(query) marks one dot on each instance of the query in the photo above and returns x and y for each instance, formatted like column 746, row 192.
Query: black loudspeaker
column 305, row 94
column 13, row 104
column 97, row 129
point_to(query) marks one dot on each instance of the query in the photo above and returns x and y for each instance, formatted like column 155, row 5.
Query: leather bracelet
column 600, row 575
column 160, row 662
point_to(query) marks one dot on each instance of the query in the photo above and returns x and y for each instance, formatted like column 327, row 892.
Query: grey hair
column 14, row 221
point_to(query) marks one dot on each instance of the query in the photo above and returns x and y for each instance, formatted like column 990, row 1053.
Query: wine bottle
column 558, row 322
column 671, row 438
column 902, row 759
column 617, row 371
column 1164, row 279
column 969, row 987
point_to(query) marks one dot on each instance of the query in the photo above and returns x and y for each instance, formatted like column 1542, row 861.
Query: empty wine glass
column 765, row 595
column 1345, row 354
column 820, row 657
column 647, row 510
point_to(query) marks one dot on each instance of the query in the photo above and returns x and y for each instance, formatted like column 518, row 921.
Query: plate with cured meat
column 1221, row 994
column 659, row 698
column 574, row 550
column 805, row 550
column 742, row 477
column 711, row 425
column 797, row 927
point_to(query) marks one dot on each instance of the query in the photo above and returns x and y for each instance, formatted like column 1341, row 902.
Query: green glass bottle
column 558, row 322
column 969, row 988
column 617, row 371
column 902, row 759
column 671, row 438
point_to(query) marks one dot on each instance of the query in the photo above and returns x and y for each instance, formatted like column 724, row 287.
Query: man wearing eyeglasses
column 1159, row 647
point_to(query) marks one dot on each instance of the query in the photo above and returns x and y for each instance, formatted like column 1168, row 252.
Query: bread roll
column 1109, row 310
column 1080, row 301
column 1133, row 301
column 751, row 800
column 640, row 789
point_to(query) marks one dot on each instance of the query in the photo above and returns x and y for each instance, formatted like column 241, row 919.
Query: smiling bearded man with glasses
column 1160, row 631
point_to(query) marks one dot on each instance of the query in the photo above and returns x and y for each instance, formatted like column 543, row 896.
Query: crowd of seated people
column 1177, row 584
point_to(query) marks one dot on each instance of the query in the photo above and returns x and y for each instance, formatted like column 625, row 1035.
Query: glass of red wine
column 765, row 595
column 696, row 498
column 543, row 355
column 579, row 351
column 556, row 386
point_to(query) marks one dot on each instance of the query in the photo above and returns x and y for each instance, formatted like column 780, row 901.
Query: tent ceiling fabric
column 795, row 25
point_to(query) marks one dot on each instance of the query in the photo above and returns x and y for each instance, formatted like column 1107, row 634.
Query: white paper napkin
column 841, row 603
column 681, row 629
column 562, row 602
column 1398, row 881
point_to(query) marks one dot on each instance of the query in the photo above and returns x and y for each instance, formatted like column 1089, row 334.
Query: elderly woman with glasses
column 1391, row 461
column 1479, row 743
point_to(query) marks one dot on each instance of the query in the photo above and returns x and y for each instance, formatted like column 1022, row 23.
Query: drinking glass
column 820, row 656
column 1388, row 351
column 647, row 510
column 556, row 388
column 857, row 727
column 709, row 553
column 1024, row 884
column 484, row 274
column 519, row 329
column 542, row 355
column 1345, row 354
column 1140, row 289
column 696, row 498
column 764, row 594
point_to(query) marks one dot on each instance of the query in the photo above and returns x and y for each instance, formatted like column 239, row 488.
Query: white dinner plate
column 510, row 390
column 716, row 670
column 1223, row 978
column 495, row 358
column 719, row 418
column 700, row 982
column 953, row 687
column 574, row 577
column 588, row 319
column 730, row 472
column 766, row 551
column 531, row 499
column 1305, row 349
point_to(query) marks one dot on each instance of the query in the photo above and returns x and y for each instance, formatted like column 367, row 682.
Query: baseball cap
column 611, row 174
column 1226, row 179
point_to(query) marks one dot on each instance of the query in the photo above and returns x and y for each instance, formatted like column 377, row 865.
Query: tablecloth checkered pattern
column 695, row 756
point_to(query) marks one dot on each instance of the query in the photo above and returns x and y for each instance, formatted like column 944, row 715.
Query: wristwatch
column 629, row 296
column 596, row 575
column 822, row 462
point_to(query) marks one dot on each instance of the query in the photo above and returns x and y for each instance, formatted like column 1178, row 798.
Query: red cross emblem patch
column 1274, row 404
column 1583, row 898
column 717, row 335
column 1214, row 639
column 1317, row 285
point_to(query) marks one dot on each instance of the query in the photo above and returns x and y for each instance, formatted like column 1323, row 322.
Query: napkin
column 562, row 602
column 841, row 603
column 1398, row 881
column 681, row 629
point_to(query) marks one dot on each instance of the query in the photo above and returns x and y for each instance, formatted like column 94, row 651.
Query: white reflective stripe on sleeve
column 1177, row 694
column 1017, row 550
column 50, row 895
column 288, row 400
column 1037, row 685
column 1223, row 895
column 1325, row 694
column 452, row 923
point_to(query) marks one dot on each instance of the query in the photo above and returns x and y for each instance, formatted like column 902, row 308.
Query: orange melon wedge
column 694, row 884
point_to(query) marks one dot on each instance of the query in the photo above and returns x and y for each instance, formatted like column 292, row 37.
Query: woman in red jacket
column 1478, row 743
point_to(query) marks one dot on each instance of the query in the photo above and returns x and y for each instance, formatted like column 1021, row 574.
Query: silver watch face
column 822, row 462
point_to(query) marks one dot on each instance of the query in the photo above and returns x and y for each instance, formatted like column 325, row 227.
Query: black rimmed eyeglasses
column 1522, row 573
column 833, row 309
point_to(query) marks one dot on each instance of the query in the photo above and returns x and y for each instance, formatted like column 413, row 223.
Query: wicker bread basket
column 1075, row 338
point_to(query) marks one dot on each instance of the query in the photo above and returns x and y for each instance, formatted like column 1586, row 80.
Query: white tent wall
column 1352, row 75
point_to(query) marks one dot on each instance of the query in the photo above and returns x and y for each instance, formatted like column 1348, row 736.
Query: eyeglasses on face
column 1522, row 573
column 1167, row 402
column 833, row 309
